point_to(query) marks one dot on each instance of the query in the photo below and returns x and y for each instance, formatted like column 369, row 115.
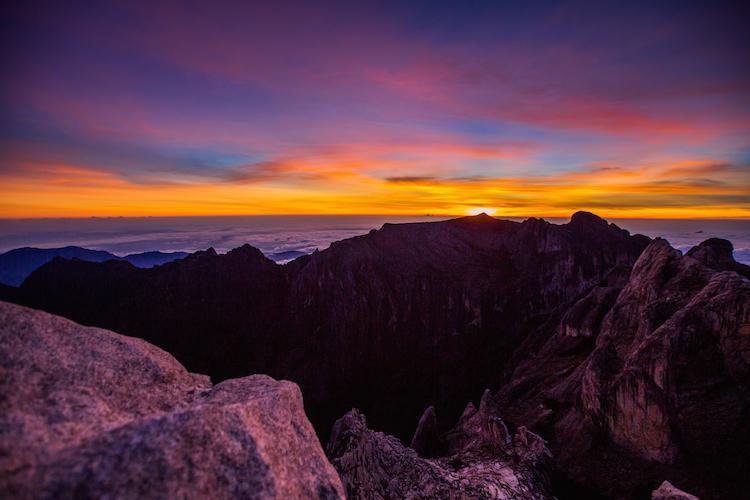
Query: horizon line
column 427, row 215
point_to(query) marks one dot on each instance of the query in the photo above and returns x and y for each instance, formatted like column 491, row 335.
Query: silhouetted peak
column 535, row 222
column 718, row 254
column 479, row 218
column 587, row 218
column 209, row 252
column 722, row 248
column 482, row 216
column 714, row 253
column 248, row 255
column 246, row 249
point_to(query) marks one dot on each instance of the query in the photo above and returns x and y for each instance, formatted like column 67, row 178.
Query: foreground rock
column 374, row 465
column 86, row 412
column 668, row 492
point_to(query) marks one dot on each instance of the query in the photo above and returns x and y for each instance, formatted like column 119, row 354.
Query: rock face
column 86, row 412
column 375, row 465
column 659, row 386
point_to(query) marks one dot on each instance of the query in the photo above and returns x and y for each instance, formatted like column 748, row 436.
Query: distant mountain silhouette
column 286, row 255
column 153, row 258
column 17, row 264
column 579, row 336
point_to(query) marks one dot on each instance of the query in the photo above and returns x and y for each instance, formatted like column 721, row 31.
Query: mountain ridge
column 432, row 314
column 17, row 264
column 455, row 282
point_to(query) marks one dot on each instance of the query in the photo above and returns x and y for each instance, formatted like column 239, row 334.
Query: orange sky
column 679, row 190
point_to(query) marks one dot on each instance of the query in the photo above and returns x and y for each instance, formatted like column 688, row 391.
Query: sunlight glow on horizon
column 481, row 210
column 656, row 192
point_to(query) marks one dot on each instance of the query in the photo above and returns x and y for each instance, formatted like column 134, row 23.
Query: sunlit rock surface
column 86, row 412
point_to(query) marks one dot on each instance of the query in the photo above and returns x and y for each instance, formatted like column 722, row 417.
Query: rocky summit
column 615, row 363
column 88, row 413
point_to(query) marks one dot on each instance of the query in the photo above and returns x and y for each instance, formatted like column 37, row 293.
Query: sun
column 479, row 210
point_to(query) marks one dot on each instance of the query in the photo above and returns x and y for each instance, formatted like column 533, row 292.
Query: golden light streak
column 679, row 189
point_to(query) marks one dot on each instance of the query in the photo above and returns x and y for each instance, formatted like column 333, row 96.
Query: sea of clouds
column 275, row 235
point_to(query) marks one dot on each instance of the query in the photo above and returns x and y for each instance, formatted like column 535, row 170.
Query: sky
column 625, row 109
